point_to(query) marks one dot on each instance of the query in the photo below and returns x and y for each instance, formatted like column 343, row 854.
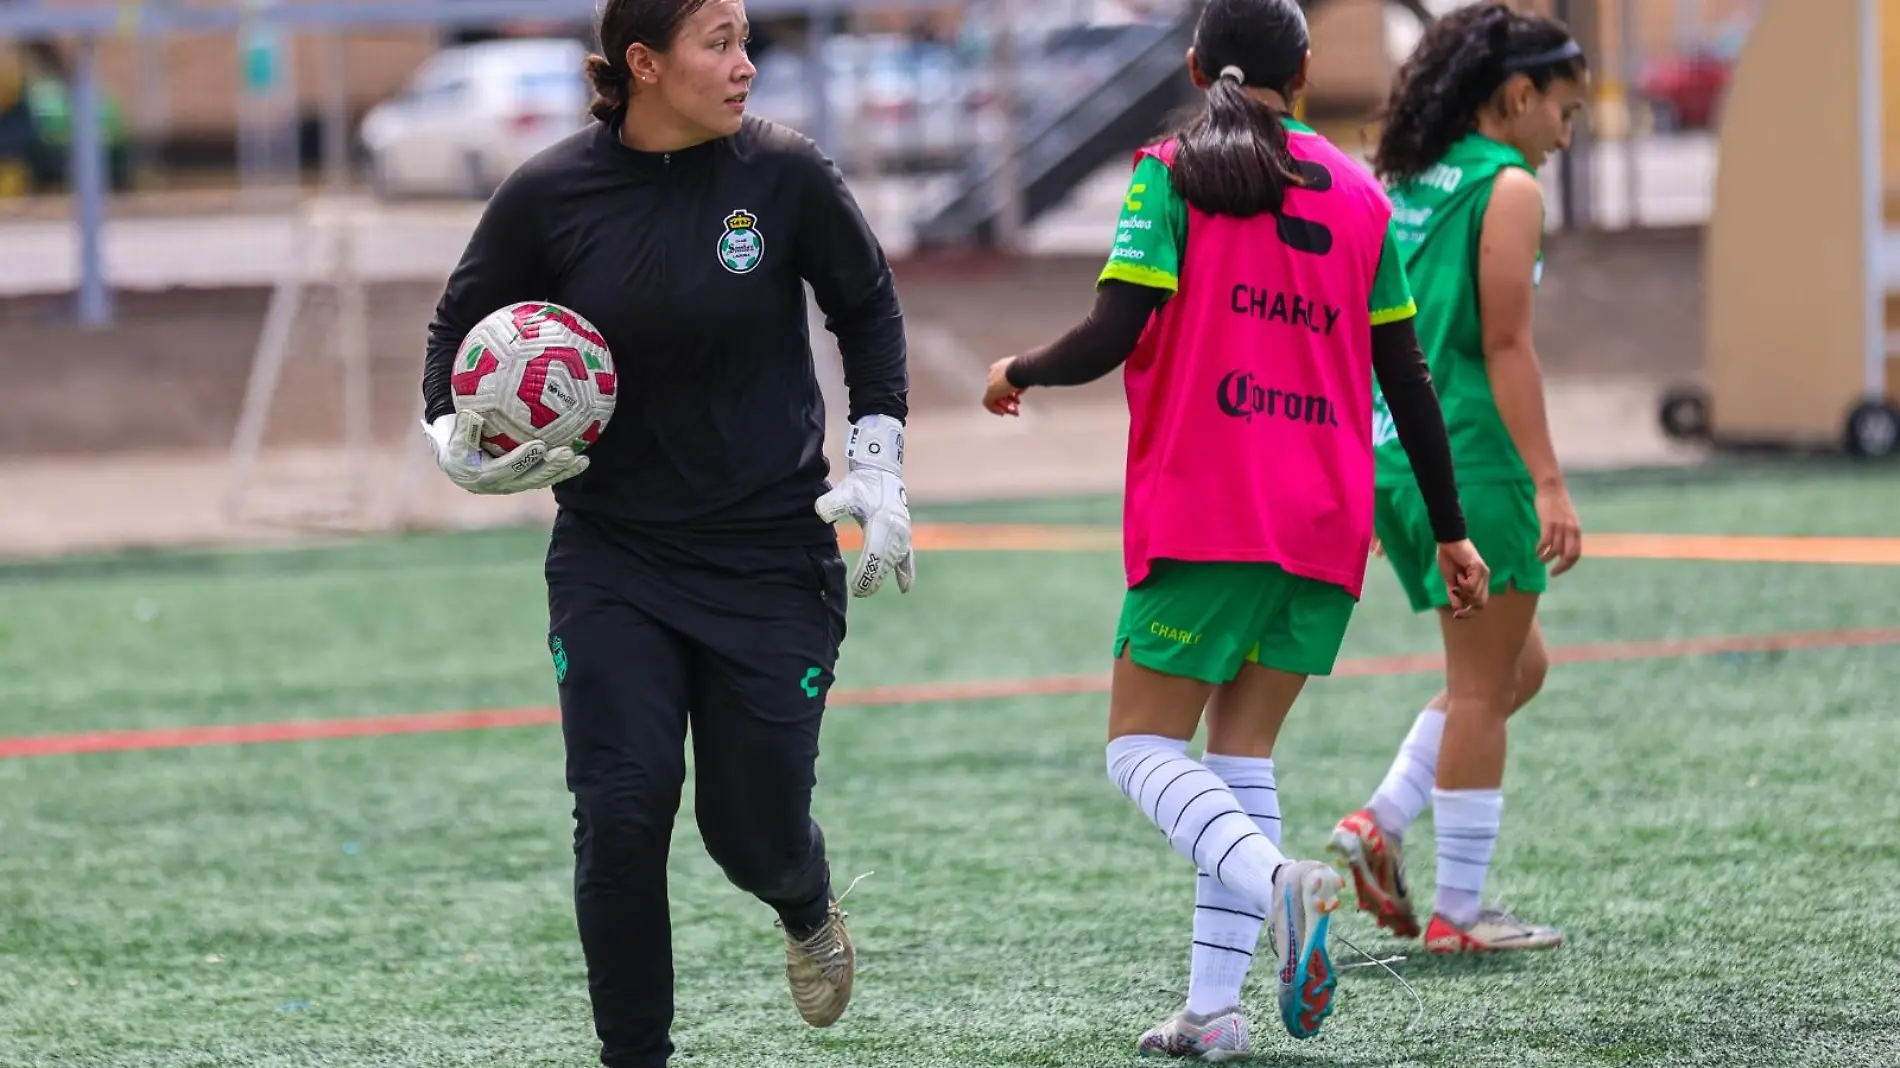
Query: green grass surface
column 1716, row 835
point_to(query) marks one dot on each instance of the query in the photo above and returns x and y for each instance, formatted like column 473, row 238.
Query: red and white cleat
column 1378, row 872
column 1496, row 931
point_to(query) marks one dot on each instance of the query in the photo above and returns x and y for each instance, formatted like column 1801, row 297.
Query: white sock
column 1197, row 812
column 1226, row 927
column 1408, row 784
column 1467, row 825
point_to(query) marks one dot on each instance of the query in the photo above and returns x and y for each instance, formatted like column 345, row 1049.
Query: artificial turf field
column 1718, row 834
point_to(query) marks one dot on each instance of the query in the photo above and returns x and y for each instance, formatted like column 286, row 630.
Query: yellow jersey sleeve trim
column 1136, row 274
column 1395, row 315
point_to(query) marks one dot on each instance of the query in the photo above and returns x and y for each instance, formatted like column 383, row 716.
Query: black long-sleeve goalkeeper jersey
column 692, row 266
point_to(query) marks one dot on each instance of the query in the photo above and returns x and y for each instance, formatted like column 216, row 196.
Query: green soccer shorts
column 1204, row 620
column 1501, row 518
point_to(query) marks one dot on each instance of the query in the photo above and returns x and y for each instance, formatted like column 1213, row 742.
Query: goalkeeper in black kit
column 694, row 574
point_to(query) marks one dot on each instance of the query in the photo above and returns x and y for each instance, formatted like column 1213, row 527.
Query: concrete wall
column 171, row 374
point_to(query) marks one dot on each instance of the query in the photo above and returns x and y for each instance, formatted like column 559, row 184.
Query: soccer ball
column 535, row 372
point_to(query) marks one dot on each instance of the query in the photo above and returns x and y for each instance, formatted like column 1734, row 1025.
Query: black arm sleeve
column 501, row 265
column 841, row 257
column 1096, row 345
column 1407, row 385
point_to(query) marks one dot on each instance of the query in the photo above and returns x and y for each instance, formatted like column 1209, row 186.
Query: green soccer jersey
column 1437, row 218
column 1151, row 240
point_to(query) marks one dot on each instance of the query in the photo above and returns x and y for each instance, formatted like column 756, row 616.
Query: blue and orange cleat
column 1305, row 893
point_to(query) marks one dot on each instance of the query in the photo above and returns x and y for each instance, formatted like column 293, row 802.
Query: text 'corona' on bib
column 1243, row 395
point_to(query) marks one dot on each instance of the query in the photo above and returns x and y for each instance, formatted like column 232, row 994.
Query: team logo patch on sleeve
column 741, row 246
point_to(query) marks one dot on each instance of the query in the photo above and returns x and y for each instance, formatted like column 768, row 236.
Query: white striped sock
column 1467, row 824
column 1226, row 927
column 1408, row 784
column 1198, row 813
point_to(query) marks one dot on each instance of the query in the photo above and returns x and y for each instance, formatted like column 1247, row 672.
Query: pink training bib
column 1250, row 391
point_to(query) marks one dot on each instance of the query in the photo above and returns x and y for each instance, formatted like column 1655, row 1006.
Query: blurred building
column 180, row 95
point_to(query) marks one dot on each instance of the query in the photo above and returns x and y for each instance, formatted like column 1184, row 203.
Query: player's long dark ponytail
column 623, row 24
column 1231, row 157
column 1461, row 61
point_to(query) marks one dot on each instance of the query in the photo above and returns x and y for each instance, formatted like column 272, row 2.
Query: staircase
column 1069, row 140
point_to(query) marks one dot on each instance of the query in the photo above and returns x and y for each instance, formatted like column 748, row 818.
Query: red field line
column 255, row 733
column 923, row 693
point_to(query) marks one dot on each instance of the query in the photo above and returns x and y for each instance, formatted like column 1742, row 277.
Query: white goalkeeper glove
column 456, row 440
column 872, row 492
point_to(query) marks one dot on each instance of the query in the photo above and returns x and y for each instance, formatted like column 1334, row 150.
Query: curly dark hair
column 1463, row 59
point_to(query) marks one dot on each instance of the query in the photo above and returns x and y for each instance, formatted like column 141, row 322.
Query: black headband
column 1570, row 49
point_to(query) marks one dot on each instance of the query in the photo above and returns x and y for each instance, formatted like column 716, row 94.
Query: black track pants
column 740, row 643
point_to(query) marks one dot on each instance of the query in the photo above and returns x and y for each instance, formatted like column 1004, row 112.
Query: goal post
column 338, row 486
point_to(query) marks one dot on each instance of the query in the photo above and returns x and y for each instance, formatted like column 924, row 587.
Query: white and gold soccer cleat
column 820, row 970
column 821, row 967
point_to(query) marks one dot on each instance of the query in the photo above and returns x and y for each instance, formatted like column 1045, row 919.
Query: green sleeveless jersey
column 1436, row 219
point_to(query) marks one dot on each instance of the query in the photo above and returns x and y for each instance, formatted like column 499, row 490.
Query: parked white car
column 472, row 114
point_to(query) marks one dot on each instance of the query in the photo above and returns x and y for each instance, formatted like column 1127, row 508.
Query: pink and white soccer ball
column 535, row 371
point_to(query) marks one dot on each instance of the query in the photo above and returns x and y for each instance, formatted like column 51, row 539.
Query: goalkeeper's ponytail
column 623, row 24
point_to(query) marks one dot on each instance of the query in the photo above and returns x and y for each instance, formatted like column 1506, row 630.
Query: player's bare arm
column 1507, row 266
